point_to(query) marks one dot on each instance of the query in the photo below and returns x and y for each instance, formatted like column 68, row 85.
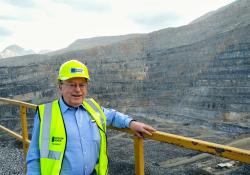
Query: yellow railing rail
column 14, row 134
column 186, row 142
column 18, row 103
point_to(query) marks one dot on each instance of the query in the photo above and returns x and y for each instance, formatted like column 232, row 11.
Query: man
column 69, row 134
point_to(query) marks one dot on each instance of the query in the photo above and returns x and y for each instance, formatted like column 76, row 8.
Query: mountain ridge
column 88, row 43
column 174, row 36
column 14, row 50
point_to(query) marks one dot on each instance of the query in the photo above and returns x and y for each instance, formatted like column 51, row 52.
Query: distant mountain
column 227, row 18
column 15, row 50
column 44, row 51
column 88, row 43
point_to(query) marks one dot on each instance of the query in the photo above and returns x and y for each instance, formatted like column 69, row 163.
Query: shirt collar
column 64, row 107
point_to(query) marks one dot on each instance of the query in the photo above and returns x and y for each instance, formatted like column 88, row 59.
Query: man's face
column 74, row 90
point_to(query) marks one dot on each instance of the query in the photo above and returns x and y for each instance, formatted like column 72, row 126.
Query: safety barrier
column 186, row 142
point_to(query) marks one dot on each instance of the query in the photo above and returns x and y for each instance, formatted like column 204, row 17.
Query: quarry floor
column 160, row 158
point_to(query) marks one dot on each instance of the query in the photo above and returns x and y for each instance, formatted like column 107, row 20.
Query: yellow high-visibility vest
column 52, row 138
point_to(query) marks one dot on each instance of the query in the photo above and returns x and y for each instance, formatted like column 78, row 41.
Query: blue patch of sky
column 157, row 20
column 83, row 5
column 21, row 3
column 4, row 32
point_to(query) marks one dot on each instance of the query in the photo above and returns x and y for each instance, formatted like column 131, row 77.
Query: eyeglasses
column 74, row 85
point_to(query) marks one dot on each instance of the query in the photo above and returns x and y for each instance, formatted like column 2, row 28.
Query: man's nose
column 77, row 87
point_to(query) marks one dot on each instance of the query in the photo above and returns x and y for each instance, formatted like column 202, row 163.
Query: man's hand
column 141, row 128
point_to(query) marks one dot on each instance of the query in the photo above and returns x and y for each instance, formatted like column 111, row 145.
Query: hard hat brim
column 75, row 76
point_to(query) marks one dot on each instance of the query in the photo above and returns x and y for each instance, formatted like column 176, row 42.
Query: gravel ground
column 121, row 156
column 11, row 161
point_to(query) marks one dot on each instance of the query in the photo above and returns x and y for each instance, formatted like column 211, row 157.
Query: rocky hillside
column 83, row 44
column 195, row 72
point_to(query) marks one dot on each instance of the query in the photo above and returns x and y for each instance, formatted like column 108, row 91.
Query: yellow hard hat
column 73, row 69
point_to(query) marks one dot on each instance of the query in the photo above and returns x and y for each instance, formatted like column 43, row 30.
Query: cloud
column 21, row 3
column 15, row 18
column 86, row 5
column 5, row 32
column 156, row 20
column 13, row 11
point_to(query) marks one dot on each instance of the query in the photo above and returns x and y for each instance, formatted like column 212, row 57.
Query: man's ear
column 60, row 85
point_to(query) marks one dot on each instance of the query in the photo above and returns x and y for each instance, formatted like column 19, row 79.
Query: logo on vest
column 56, row 140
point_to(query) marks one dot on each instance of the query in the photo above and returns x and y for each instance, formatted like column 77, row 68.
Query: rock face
column 195, row 72
column 196, row 75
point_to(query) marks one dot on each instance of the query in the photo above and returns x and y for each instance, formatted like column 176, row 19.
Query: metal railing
column 186, row 142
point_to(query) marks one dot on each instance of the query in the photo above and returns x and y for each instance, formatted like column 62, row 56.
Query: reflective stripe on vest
column 91, row 102
column 52, row 139
column 44, row 150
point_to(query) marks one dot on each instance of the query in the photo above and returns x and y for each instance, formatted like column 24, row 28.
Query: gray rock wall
column 190, row 74
column 207, row 80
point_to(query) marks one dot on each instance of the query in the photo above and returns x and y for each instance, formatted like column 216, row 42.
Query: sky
column 55, row 24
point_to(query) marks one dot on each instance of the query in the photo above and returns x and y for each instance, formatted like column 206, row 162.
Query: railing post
column 23, row 111
column 139, row 155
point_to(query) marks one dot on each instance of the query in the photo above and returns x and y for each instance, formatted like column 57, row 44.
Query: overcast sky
column 54, row 24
